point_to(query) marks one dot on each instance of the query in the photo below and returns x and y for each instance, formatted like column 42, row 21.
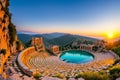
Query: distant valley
column 61, row 39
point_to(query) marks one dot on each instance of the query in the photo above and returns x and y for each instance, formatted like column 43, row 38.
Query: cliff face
column 9, row 42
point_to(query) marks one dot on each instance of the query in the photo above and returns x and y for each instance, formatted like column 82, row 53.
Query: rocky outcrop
column 9, row 42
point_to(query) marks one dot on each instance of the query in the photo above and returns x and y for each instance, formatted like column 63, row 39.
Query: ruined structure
column 55, row 49
column 86, row 47
column 101, row 43
column 38, row 44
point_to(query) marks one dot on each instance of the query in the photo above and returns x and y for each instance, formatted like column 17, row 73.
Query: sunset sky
column 84, row 17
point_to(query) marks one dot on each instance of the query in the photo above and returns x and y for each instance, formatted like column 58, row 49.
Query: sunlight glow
column 110, row 35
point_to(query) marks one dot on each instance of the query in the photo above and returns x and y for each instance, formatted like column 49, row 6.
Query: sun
column 110, row 35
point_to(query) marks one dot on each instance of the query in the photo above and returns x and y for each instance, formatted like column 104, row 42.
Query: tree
column 12, row 32
column 3, row 51
column 117, row 50
column 18, row 43
column 95, row 48
column 114, row 72
column 27, row 44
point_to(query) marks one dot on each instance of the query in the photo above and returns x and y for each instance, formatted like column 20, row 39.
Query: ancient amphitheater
column 31, row 62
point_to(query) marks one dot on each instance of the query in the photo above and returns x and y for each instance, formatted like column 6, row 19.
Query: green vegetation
column 4, row 28
column 12, row 64
column 11, row 27
column 18, row 43
column 115, row 47
column 38, row 75
column 115, row 72
column 25, row 38
column 27, row 44
column 87, row 42
column 3, row 20
column 7, row 3
column 67, row 77
column 50, row 52
column 63, row 41
column 95, row 48
column 6, row 9
column 12, row 33
column 117, row 50
column 93, row 76
column 59, row 76
column 117, row 61
column 3, row 51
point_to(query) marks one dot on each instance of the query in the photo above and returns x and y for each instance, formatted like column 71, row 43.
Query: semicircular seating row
column 52, row 64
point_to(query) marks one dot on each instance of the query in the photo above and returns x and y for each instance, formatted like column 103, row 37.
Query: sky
column 83, row 17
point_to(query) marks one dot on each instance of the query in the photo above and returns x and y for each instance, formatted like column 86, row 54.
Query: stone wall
column 21, row 58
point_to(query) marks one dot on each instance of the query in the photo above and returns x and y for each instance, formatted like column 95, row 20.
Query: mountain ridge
column 60, row 39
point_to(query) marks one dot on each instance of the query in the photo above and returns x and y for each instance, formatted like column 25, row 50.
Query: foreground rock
column 9, row 42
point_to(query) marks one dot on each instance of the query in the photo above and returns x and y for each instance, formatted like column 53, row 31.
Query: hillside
column 53, row 35
column 25, row 37
column 60, row 39
column 63, row 40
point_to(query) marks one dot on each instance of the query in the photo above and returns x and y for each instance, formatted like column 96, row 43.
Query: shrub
column 12, row 33
column 18, row 43
column 27, row 44
column 4, row 29
column 38, row 75
column 3, row 20
column 3, row 51
column 7, row 3
column 114, row 73
column 59, row 76
column 12, row 64
column 78, row 76
column 95, row 48
column 67, row 77
column 117, row 61
column 117, row 50
column 93, row 76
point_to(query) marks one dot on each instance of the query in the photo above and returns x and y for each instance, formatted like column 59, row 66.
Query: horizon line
column 33, row 32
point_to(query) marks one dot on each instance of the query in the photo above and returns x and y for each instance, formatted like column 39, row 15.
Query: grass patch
column 38, row 75
column 115, row 72
column 93, row 76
